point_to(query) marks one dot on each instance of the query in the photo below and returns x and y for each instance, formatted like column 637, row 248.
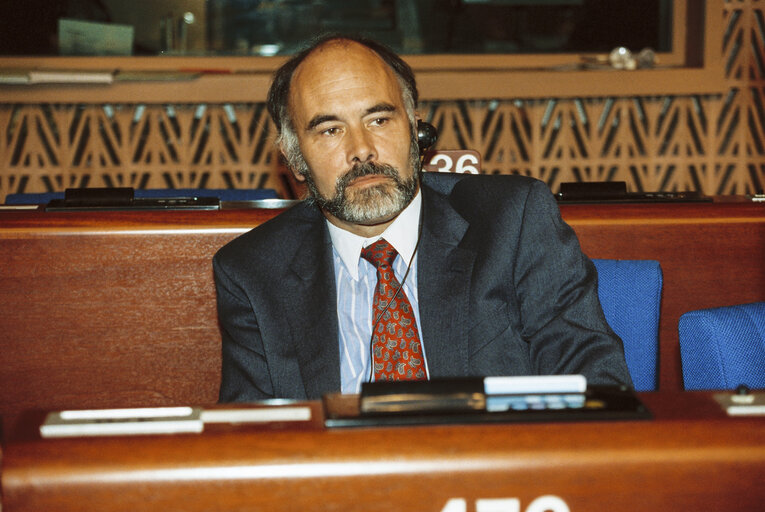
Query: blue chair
column 630, row 294
column 722, row 348
column 223, row 194
column 33, row 198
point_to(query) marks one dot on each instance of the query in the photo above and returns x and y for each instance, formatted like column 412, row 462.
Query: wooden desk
column 690, row 457
column 118, row 309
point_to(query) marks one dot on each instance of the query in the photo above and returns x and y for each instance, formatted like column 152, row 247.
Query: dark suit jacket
column 503, row 288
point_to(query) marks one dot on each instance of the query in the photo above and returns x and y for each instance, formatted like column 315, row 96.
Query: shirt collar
column 401, row 234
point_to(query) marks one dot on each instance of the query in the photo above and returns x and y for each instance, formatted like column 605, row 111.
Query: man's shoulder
column 450, row 183
column 276, row 235
column 475, row 195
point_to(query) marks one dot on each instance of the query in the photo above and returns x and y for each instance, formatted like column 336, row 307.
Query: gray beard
column 371, row 204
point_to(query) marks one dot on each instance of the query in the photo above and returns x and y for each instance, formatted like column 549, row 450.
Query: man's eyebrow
column 380, row 107
column 323, row 118
column 317, row 120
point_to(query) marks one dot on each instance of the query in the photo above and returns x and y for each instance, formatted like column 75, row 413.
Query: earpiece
column 427, row 135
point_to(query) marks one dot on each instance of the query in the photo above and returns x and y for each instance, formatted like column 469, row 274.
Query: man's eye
column 380, row 121
column 331, row 131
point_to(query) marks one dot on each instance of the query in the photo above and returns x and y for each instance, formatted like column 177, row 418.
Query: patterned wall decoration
column 52, row 147
column 714, row 144
column 653, row 144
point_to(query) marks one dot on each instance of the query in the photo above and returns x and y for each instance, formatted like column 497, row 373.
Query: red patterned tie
column 396, row 349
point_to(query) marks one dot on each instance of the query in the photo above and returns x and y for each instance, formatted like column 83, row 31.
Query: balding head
column 279, row 92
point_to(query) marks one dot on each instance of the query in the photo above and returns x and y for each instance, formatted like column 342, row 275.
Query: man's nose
column 361, row 146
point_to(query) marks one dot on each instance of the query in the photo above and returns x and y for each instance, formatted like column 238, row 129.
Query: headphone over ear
column 427, row 135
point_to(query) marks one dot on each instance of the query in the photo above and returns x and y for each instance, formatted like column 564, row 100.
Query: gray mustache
column 367, row 169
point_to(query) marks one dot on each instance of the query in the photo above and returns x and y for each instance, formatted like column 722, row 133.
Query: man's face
column 355, row 137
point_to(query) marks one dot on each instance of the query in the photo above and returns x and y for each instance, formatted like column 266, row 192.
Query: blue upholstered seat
column 630, row 294
column 224, row 194
column 41, row 198
column 721, row 348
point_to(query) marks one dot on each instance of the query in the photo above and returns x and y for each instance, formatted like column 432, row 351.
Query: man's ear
column 296, row 174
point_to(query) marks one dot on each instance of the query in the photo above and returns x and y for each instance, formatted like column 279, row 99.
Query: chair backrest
column 722, row 348
column 224, row 194
column 33, row 198
column 630, row 294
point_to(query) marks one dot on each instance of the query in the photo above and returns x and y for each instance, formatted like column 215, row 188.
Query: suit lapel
column 313, row 319
column 444, row 273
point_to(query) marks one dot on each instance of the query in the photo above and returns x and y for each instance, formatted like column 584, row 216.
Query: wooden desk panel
column 118, row 308
column 110, row 309
column 111, row 319
column 690, row 457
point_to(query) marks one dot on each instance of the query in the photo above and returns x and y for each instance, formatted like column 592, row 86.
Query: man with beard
column 388, row 273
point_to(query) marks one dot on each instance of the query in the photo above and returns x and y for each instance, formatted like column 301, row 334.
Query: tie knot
column 379, row 254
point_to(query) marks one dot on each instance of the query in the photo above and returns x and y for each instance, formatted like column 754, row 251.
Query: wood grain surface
column 689, row 457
